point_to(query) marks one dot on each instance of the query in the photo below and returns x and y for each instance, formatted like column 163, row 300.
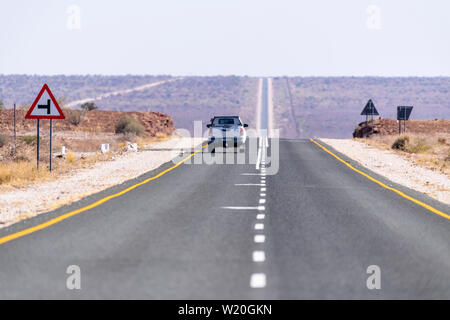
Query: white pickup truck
column 226, row 131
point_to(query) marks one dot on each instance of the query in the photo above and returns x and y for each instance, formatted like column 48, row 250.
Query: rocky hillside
column 91, row 121
column 390, row 127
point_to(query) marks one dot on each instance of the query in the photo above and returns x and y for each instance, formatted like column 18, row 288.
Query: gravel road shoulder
column 42, row 197
column 395, row 168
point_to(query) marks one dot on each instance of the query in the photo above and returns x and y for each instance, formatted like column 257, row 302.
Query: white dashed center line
column 260, row 238
column 258, row 280
column 244, row 208
column 259, row 226
column 259, row 256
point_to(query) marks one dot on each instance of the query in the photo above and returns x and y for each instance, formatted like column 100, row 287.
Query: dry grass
column 426, row 150
column 18, row 168
column 18, row 173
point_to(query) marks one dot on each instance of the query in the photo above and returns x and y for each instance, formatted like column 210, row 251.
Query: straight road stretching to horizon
column 202, row 231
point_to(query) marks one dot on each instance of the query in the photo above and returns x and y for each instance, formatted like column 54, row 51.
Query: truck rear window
column 226, row 121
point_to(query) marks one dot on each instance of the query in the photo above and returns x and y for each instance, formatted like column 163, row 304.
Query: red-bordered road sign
column 45, row 106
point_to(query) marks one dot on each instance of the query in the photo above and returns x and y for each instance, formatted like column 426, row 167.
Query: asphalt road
column 190, row 234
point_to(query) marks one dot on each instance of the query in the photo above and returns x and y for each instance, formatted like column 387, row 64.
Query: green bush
column 401, row 143
column 31, row 140
column 128, row 124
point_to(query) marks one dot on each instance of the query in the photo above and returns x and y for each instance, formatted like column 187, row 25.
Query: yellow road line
column 93, row 205
column 420, row 203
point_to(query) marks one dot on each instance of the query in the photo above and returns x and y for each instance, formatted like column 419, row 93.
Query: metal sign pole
column 371, row 111
column 405, row 120
column 51, row 146
column 37, row 141
column 367, row 126
column 15, row 135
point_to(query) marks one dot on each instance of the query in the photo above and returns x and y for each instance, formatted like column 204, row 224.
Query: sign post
column 51, row 145
column 45, row 106
column 403, row 113
column 369, row 109
column 15, row 130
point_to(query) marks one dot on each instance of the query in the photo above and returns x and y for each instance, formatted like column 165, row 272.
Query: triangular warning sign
column 369, row 109
column 45, row 106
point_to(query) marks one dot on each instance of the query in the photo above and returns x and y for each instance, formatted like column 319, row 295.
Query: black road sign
column 369, row 109
column 403, row 112
column 45, row 106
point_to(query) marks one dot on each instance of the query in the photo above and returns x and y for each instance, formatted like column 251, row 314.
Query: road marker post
column 45, row 106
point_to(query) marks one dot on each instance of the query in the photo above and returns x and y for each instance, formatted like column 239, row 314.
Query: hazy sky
column 210, row 37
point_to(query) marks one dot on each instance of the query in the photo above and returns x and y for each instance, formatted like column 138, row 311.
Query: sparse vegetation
column 70, row 157
column 161, row 136
column 3, row 140
column 415, row 145
column 401, row 143
column 20, row 171
column 75, row 117
column 31, row 140
column 418, row 145
column 128, row 124
column 427, row 150
column 2, row 106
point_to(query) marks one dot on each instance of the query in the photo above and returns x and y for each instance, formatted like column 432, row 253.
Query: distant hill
column 22, row 89
column 331, row 107
column 185, row 100
column 321, row 106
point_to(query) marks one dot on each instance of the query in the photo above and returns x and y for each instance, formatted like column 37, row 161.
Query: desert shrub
column 161, row 136
column 401, row 143
column 70, row 157
column 419, row 145
column 31, row 140
column 89, row 106
column 75, row 117
column 128, row 125
column 2, row 106
column 442, row 140
column 448, row 156
column 416, row 145
column 3, row 140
